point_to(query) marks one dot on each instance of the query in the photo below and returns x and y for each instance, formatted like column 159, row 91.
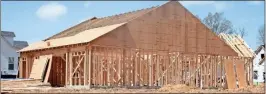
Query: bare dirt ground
column 35, row 86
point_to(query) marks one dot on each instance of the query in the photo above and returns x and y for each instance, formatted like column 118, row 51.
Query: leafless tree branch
column 261, row 35
column 242, row 32
column 218, row 23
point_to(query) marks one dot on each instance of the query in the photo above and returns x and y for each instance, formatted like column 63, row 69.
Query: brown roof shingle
column 100, row 22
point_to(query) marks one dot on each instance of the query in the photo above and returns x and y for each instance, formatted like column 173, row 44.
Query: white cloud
column 255, row 2
column 219, row 6
column 87, row 4
column 51, row 11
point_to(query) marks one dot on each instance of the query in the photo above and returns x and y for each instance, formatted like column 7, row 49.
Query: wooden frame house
column 149, row 47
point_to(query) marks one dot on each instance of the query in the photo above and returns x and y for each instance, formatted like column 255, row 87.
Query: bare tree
column 218, row 23
column 261, row 35
column 242, row 32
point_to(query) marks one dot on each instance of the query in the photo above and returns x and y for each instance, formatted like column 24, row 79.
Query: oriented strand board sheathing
column 240, row 72
column 39, row 67
column 100, row 22
column 49, row 65
column 83, row 37
column 230, row 73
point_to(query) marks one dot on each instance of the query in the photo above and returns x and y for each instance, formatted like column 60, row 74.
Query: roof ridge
column 132, row 11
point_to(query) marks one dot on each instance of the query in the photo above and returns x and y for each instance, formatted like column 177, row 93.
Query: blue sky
column 36, row 20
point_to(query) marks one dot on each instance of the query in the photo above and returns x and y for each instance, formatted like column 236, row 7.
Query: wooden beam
column 89, row 67
column 20, row 67
column 150, row 69
column 167, row 68
column 27, row 67
column 124, row 66
column 85, row 68
column 76, row 49
column 70, row 67
column 79, row 62
column 67, row 62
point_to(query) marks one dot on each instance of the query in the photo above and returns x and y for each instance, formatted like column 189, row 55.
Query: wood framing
column 162, row 45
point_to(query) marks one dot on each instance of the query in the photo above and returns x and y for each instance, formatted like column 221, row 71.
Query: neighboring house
column 9, row 54
column 258, row 65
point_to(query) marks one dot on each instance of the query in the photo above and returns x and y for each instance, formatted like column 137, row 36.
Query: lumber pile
column 237, row 44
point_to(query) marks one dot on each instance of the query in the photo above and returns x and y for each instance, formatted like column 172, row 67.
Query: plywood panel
column 39, row 67
column 201, row 31
column 201, row 45
column 192, row 42
column 49, row 65
column 191, row 49
column 240, row 71
column 230, row 74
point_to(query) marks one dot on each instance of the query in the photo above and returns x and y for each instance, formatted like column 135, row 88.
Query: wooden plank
column 101, row 80
column 197, row 71
column 201, row 72
column 48, row 68
column 221, row 71
column 38, row 67
column 157, row 69
column 27, row 67
column 140, row 67
column 124, row 66
column 78, row 64
column 134, row 69
column 20, row 67
column 150, row 68
column 215, row 73
column 250, row 73
column 106, row 53
column 67, row 69
column 89, row 66
column 70, row 68
column 230, row 74
column 85, row 67
column 241, row 73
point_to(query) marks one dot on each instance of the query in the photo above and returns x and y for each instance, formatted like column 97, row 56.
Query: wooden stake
column 150, row 69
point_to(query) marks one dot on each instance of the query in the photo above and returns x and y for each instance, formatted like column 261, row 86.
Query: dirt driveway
column 35, row 86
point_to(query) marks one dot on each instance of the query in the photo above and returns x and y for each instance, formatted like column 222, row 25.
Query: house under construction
column 149, row 47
